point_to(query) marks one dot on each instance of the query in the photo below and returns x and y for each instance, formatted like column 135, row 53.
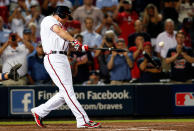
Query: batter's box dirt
column 107, row 126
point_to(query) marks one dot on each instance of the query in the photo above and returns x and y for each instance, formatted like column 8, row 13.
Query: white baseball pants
column 58, row 67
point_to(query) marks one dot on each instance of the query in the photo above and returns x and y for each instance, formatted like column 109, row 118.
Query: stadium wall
column 122, row 100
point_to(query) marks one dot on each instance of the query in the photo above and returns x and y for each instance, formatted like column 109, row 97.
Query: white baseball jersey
column 50, row 40
column 58, row 67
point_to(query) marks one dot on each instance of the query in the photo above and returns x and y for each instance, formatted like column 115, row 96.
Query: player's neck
column 56, row 17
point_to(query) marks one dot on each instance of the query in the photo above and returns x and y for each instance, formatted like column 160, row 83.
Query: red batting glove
column 77, row 45
column 84, row 48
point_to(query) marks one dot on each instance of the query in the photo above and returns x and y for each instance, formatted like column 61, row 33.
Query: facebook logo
column 22, row 100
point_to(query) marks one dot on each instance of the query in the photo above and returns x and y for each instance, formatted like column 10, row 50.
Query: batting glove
column 84, row 48
column 77, row 45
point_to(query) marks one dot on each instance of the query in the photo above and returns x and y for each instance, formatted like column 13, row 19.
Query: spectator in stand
column 165, row 41
column 108, row 24
column 14, row 51
column 65, row 3
column 30, row 3
column 24, row 6
column 137, row 53
column 139, row 5
column 126, row 19
column 36, row 71
column 17, row 22
column 88, row 10
column 107, row 5
column 119, row 64
column 152, row 21
column 108, row 41
column 169, row 12
column 186, row 29
column 4, row 12
column 185, row 9
column 89, row 35
column 32, row 27
column 48, row 7
column 36, row 17
column 81, row 63
column 138, row 29
column 4, row 33
column 94, row 78
column 149, row 73
column 180, row 58
column 27, row 37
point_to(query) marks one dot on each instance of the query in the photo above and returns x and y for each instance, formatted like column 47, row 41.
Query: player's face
column 63, row 21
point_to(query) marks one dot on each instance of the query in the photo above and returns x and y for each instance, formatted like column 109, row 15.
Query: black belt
column 57, row 52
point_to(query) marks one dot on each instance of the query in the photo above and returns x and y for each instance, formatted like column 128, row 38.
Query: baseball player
column 13, row 74
column 55, row 42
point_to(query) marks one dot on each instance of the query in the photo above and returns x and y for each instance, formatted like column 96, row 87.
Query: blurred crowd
column 157, row 36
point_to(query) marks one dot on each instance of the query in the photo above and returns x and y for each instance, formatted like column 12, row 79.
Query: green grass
column 72, row 122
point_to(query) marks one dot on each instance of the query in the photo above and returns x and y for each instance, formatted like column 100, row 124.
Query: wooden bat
column 110, row 49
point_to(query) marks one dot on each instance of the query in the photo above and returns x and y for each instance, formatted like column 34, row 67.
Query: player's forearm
column 62, row 33
column 65, row 35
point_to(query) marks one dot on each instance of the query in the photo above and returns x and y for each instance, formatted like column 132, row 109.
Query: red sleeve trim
column 52, row 27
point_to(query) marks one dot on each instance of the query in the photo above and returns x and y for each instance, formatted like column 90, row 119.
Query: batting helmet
column 63, row 12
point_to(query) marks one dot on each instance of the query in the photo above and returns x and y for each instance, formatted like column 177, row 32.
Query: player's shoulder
column 48, row 19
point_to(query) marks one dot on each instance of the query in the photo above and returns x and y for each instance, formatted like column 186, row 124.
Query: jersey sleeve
column 49, row 23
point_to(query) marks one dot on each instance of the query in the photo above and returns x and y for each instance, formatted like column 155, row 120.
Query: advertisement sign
column 183, row 99
column 96, row 100
column 21, row 101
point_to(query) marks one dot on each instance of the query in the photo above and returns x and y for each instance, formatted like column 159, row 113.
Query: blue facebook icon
column 22, row 100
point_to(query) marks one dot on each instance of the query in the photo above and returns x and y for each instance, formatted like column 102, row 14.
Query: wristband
column 3, row 76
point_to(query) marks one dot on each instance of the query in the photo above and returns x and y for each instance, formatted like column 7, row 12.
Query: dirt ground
column 116, row 126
